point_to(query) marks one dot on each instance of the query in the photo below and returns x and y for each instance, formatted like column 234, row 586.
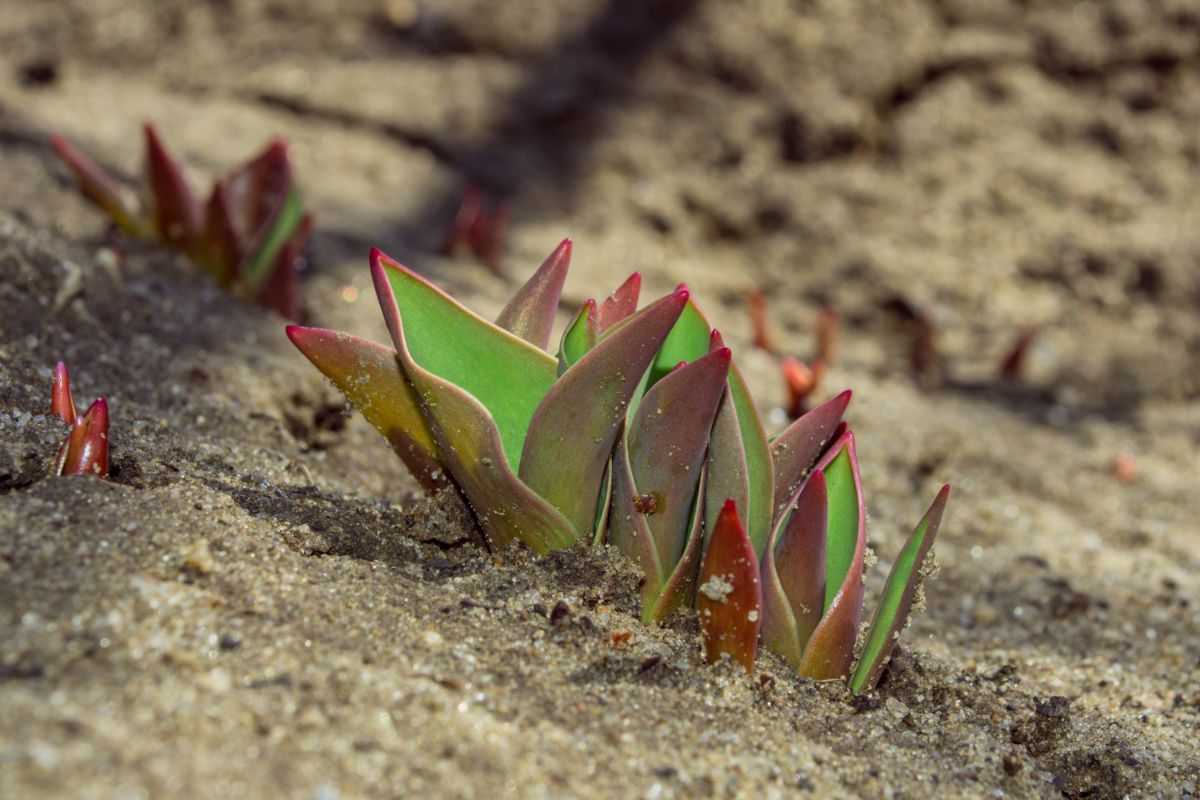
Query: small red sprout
column 479, row 229
column 1012, row 368
column 801, row 380
column 763, row 339
column 85, row 451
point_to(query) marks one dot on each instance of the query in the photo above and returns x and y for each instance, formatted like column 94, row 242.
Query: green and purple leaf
column 794, row 572
column 62, row 403
column 505, row 374
column 668, row 439
column 580, row 336
column 797, row 449
column 281, row 291
column 178, row 218
column 830, row 650
column 629, row 529
column 470, row 433
column 729, row 598
column 85, row 452
column 370, row 376
column 98, row 186
column 571, row 436
column 892, row 614
column 530, row 314
column 621, row 303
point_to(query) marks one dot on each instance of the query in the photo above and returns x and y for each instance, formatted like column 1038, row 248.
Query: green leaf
column 688, row 341
column 830, row 650
column 629, row 529
column 530, row 313
column 729, row 598
column 794, row 572
column 892, row 614
column 667, row 442
column 468, row 435
column 579, row 337
column 370, row 376
column 265, row 246
column 571, row 436
column 797, row 449
column 502, row 372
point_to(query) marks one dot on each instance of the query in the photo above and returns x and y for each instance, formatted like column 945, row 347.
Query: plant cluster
column 85, row 451
column 250, row 234
column 637, row 430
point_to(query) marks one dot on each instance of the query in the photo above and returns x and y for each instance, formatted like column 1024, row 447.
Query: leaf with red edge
column 223, row 242
column 794, row 572
column 100, row 187
column 61, row 401
column 477, row 437
column 178, row 218
column 729, row 598
column 370, row 376
column 896, row 601
column 85, row 452
column 621, row 303
column 797, row 449
column 530, row 313
column 281, row 292
column 830, row 650
column 629, row 529
column 668, row 438
column 570, row 438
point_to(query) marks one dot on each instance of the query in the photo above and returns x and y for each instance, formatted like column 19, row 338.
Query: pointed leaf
column 85, row 452
column 679, row 588
column 579, row 337
column 469, row 437
column 800, row 445
column 621, row 303
column 667, row 443
column 466, row 219
column 370, row 376
column 571, row 436
column 505, row 374
column 797, row 563
column 739, row 459
column 177, row 215
column 281, row 292
column 61, row 401
column 830, row 649
column 892, row 614
column 222, row 241
column 100, row 187
column 262, row 252
column 530, row 313
column 629, row 530
column 729, row 598
column 689, row 340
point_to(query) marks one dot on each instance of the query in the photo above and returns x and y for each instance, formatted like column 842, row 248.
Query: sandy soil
column 260, row 604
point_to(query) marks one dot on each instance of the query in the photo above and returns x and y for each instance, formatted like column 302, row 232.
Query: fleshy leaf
column 667, row 443
column 794, row 572
column 177, row 213
column 571, row 436
column 830, row 650
column 892, row 614
column 530, row 313
column 795, row 450
column 629, row 529
column 679, row 587
column 471, row 441
column 370, row 376
column 689, row 340
column 729, row 598
column 61, row 401
column 85, row 452
column 222, row 240
column 266, row 244
column 621, row 303
column 100, row 187
column 579, row 337
column 503, row 373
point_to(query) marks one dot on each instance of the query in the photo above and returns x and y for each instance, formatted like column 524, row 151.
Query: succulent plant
column 638, row 430
column 85, row 451
column 249, row 234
